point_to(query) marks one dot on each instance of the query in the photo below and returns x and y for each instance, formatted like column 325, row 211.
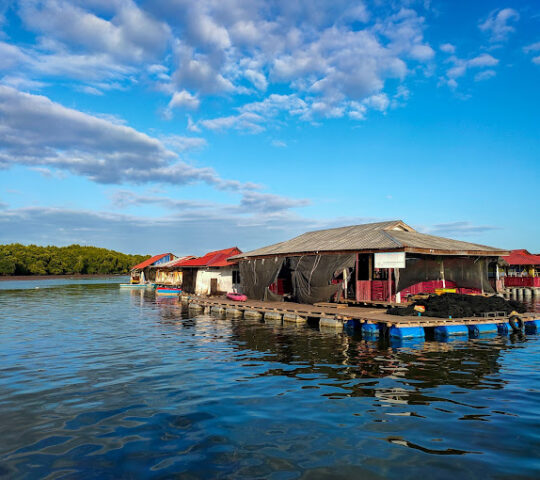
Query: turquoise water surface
column 99, row 382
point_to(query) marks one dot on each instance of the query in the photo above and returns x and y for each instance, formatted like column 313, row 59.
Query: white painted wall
column 224, row 278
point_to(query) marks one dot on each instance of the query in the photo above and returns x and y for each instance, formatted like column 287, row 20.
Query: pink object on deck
column 237, row 297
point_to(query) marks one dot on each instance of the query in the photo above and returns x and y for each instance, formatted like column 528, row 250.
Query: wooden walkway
column 346, row 313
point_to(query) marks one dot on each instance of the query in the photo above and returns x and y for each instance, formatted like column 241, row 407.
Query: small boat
column 237, row 297
column 168, row 291
column 135, row 285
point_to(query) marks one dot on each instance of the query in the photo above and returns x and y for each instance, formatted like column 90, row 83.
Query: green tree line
column 17, row 259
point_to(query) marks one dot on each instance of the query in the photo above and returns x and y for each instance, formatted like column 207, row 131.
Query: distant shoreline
column 71, row 276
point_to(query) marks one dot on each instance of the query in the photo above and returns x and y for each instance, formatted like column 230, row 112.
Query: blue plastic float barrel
column 370, row 330
column 503, row 328
column 451, row 330
column 532, row 326
column 407, row 332
column 482, row 328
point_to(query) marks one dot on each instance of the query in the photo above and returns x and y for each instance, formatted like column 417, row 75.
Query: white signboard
column 390, row 260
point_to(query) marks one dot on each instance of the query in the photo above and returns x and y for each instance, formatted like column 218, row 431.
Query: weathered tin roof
column 381, row 236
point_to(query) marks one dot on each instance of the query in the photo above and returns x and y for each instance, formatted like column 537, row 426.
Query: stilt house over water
column 522, row 269
column 211, row 274
column 383, row 261
column 143, row 272
column 169, row 273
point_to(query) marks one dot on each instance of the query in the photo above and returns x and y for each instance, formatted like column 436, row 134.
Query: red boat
column 237, row 297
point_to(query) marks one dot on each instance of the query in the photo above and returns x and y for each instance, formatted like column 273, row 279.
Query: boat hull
column 168, row 291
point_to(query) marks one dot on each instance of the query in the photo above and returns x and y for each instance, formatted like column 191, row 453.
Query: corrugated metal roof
column 392, row 235
column 219, row 258
column 172, row 263
column 150, row 261
column 521, row 257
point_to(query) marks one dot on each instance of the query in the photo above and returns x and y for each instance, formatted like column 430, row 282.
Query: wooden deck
column 346, row 313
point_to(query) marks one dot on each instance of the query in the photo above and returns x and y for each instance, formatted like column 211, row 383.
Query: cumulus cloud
column 184, row 99
column 35, row 131
column 460, row 67
column 448, row 48
column 317, row 49
column 499, row 24
column 131, row 34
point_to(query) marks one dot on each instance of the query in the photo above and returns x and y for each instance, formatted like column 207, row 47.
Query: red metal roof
column 150, row 261
column 219, row 258
column 522, row 257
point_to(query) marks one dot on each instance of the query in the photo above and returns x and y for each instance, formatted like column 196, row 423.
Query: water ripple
column 101, row 383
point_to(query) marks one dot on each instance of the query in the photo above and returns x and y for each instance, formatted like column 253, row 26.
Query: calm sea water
column 96, row 382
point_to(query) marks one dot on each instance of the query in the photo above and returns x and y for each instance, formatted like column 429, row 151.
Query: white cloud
column 485, row 75
column 184, row 99
column 35, row 131
column 498, row 24
column 278, row 143
column 246, row 121
column 533, row 47
column 183, row 144
column 460, row 68
column 457, row 229
column 378, row 102
column 130, row 35
column 484, row 60
column 317, row 49
column 448, row 48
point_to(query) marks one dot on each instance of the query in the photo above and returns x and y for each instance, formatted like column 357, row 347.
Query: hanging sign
column 390, row 260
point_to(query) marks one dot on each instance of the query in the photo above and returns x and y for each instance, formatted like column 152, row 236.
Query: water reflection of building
column 342, row 358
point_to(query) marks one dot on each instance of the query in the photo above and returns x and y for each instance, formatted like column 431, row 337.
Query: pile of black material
column 458, row 306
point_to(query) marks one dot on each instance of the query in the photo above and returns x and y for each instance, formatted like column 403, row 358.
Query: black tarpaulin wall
column 312, row 276
column 418, row 270
column 465, row 272
column 257, row 275
column 468, row 273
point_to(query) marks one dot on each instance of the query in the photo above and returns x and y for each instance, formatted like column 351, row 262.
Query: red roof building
column 153, row 260
column 219, row 258
column 522, row 257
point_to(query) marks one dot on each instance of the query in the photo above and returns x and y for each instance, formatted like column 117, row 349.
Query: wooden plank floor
column 362, row 314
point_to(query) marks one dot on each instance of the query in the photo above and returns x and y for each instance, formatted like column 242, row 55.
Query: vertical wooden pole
column 370, row 275
column 356, row 278
column 389, row 284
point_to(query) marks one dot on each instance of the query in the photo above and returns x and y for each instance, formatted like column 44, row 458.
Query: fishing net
column 459, row 306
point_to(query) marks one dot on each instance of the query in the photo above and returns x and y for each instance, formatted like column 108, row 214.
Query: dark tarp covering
column 468, row 273
column 312, row 276
column 418, row 270
column 257, row 275
column 465, row 272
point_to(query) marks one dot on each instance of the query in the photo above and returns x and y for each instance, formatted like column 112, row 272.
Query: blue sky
column 185, row 126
